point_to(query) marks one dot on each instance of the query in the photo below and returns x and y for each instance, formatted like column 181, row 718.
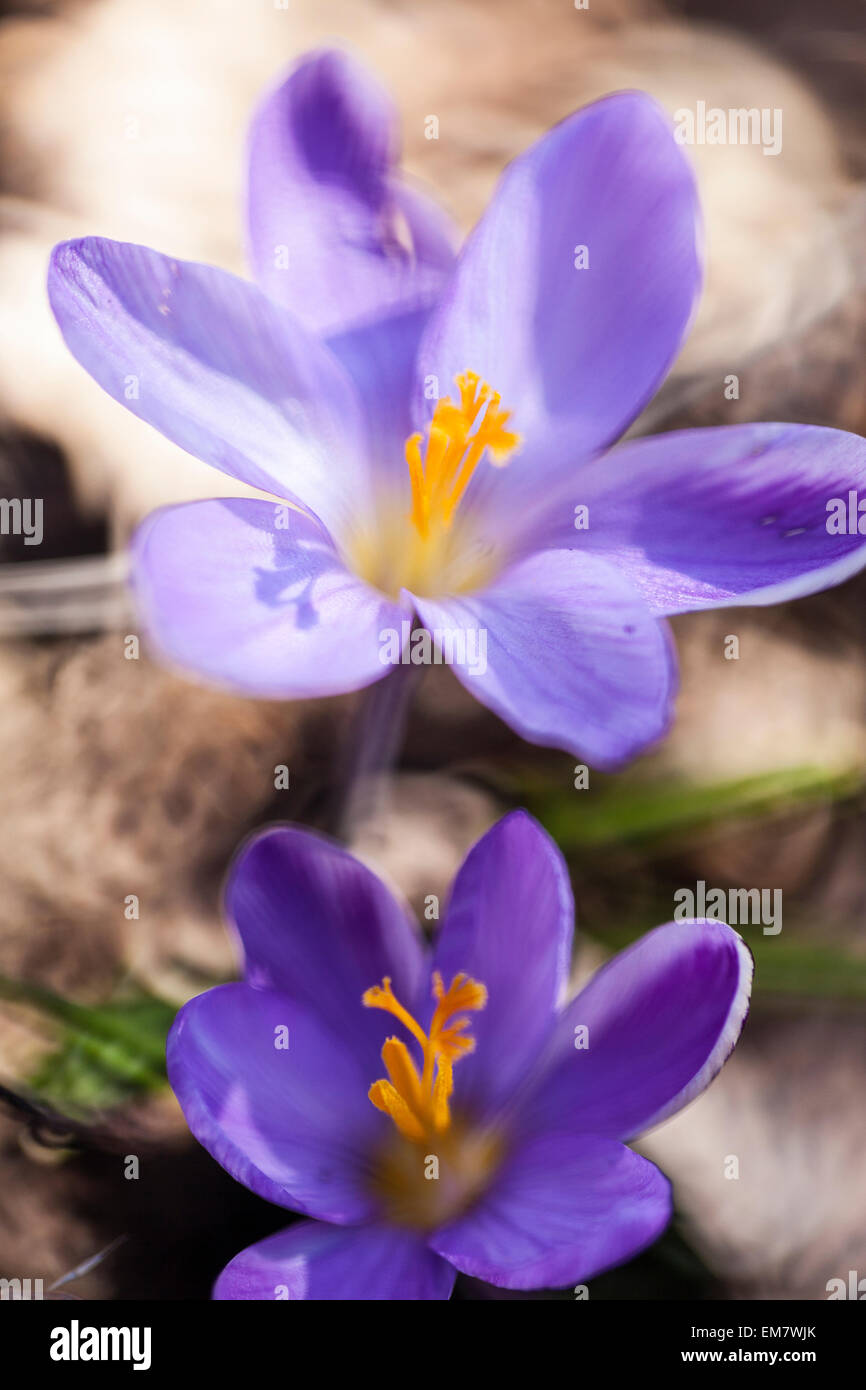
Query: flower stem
column 372, row 746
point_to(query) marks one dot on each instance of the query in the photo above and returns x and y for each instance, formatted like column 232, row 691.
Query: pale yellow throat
column 428, row 551
column 430, row 1167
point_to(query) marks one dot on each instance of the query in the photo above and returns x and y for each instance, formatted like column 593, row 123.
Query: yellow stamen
column 387, row 1098
column 442, row 1088
column 457, row 438
column 419, row 1104
column 404, row 1078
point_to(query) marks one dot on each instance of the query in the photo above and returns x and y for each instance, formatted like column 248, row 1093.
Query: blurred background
column 120, row 779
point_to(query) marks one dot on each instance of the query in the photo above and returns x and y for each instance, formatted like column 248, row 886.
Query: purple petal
column 360, row 1265
column 293, row 1123
column 733, row 515
column 217, row 368
column 318, row 925
column 575, row 353
column 509, row 925
column 433, row 232
column 324, row 206
column 253, row 596
column 661, row 1018
column 574, row 658
column 380, row 359
column 564, row 1208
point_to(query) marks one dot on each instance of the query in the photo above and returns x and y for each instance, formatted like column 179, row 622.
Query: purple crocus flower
column 437, row 424
column 436, row 1111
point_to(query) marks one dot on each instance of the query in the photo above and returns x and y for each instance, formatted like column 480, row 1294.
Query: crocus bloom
column 437, row 425
column 435, row 1111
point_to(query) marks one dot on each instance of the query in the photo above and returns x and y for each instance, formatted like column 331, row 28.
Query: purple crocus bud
column 435, row 431
column 438, row 1111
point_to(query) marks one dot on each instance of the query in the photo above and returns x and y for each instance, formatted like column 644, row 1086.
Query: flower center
column 434, row 553
column 457, row 437
column 432, row 1167
column 419, row 1103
